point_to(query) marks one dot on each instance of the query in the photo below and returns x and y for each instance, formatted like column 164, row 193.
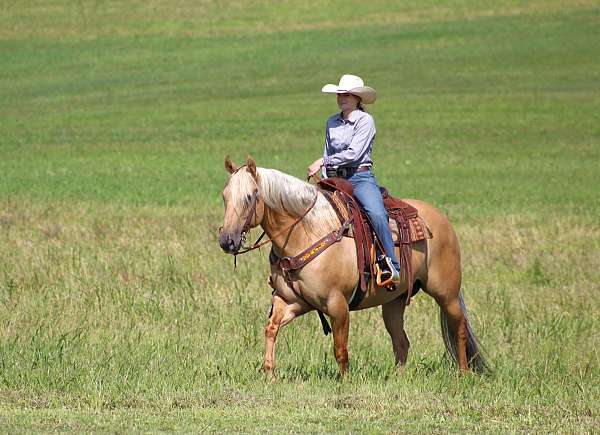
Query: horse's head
column 244, row 208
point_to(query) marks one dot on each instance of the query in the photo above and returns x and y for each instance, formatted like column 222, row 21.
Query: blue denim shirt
column 349, row 142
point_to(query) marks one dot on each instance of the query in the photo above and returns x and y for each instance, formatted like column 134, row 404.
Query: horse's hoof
column 270, row 376
column 400, row 369
column 343, row 376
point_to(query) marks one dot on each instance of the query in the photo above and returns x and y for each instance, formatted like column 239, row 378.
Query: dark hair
column 360, row 106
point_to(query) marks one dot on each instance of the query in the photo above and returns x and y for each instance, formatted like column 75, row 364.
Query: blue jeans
column 366, row 190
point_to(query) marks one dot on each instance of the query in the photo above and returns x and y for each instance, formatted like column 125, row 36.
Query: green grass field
column 120, row 313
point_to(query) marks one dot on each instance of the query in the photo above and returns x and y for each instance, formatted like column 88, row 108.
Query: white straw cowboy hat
column 352, row 85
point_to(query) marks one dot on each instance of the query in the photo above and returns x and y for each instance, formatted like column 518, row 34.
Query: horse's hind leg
column 282, row 314
column 393, row 317
column 456, row 335
column 445, row 289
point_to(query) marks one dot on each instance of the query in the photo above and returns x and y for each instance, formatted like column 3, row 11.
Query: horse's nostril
column 227, row 243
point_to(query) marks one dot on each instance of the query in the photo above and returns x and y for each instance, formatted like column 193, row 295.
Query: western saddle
column 405, row 224
column 406, row 227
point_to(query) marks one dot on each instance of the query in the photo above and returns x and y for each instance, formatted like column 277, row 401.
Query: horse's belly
column 378, row 296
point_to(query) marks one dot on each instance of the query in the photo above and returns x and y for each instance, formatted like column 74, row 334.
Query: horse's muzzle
column 230, row 244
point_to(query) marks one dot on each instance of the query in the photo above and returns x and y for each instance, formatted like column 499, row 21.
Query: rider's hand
column 314, row 167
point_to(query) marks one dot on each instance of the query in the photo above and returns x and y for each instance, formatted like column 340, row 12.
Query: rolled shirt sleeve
column 349, row 143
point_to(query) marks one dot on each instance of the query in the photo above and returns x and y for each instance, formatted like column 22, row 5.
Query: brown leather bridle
column 251, row 215
column 248, row 223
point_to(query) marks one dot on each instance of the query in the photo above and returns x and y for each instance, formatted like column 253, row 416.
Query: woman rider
column 349, row 137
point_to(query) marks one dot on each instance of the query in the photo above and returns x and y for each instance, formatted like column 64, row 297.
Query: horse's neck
column 288, row 234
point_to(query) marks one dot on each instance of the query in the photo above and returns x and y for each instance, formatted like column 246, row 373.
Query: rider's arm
column 315, row 166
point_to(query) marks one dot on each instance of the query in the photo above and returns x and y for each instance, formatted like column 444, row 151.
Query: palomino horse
column 294, row 214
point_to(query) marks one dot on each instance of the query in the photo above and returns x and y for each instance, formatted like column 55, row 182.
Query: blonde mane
column 284, row 193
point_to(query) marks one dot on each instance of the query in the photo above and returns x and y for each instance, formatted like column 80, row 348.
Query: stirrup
column 386, row 273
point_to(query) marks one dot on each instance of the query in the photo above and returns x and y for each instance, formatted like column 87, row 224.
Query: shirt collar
column 352, row 118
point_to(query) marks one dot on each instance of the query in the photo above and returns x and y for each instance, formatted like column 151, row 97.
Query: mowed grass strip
column 65, row 20
column 148, row 120
column 118, row 311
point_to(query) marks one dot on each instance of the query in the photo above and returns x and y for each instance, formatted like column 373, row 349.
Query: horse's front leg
column 340, row 325
column 283, row 313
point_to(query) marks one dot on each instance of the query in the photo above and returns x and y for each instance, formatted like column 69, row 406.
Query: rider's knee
column 379, row 217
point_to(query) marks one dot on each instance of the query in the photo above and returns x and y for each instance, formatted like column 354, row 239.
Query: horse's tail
column 475, row 357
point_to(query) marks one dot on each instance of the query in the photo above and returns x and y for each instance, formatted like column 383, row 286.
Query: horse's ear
column 251, row 164
column 229, row 165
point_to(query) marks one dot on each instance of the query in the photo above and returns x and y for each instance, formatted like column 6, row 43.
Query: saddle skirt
column 405, row 224
column 400, row 211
